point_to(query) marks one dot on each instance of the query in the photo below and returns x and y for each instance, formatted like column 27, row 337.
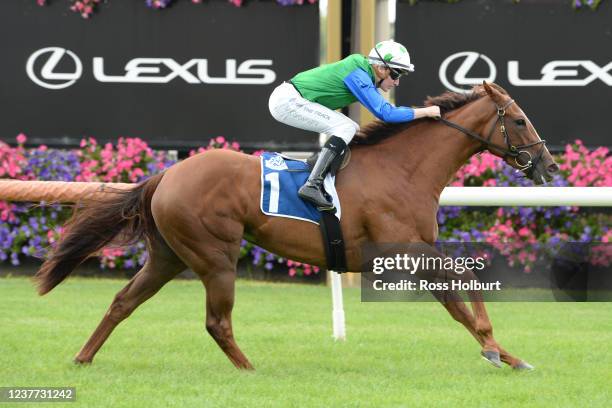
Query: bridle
column 509, row 150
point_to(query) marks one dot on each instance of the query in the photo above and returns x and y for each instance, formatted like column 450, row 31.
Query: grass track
column 397, row 354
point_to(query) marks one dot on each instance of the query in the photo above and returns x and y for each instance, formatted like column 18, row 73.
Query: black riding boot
column 312, row 190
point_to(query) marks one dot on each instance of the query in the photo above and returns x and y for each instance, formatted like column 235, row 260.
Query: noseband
column 509, row 150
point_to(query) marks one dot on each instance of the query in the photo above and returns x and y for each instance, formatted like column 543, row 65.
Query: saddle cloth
column 281, row 178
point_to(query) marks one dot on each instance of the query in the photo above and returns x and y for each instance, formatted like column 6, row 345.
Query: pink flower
column 524, row 232
column 220, row 139
column 490, row 183
column 125, row 164
column 136, row 174
column 21, row 138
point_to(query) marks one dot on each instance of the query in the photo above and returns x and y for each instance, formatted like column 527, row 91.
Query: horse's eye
column 520, row 122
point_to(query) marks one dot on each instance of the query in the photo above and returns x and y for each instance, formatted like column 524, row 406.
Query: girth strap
column 333, row 242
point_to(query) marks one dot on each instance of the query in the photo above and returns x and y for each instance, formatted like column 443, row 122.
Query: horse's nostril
column 552, row 169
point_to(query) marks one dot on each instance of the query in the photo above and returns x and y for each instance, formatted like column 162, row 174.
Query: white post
column 338, row 308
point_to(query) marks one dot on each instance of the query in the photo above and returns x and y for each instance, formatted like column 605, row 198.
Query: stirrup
column 318, row 188
column 331, row 209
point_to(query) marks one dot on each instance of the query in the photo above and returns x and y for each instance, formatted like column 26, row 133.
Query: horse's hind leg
column 210, row 247
column 219, row 304
column 161, row 267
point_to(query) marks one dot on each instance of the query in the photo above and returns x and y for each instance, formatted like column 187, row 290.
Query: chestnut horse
column 195, row 214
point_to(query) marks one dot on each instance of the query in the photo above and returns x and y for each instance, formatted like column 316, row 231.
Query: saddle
column 275, row 169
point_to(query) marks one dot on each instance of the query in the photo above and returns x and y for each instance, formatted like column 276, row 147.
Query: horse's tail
column 95, row 225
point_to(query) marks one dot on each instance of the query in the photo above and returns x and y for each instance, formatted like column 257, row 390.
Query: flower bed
column 27, row 230
column 86, row 8
column 516, row 231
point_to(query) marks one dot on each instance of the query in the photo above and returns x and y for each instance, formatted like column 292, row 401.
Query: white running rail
column 527, row 196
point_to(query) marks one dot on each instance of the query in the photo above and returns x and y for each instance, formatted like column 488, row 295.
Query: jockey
column 310, row 99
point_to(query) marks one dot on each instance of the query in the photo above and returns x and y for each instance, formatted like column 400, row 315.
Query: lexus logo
column 144, row 70
column 553, row 73
column 460, row 80
column 48, row 77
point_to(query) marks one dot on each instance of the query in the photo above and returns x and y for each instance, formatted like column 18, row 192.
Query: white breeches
column 288, row 107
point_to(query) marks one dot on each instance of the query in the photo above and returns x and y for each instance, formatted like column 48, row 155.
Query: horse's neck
column 432, row 153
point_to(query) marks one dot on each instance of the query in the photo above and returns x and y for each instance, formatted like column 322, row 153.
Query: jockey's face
column 384, row 74
column 389, row 83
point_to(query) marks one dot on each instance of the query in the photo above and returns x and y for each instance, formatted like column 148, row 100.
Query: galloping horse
column 195, row 214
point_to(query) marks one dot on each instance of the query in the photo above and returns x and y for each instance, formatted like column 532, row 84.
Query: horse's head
column 514, row 138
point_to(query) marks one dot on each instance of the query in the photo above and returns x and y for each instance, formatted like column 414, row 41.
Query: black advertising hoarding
column 555, row 62
column 175, row 77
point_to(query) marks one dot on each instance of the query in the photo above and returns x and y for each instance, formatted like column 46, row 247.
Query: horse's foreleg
column 483, row 325
column 455, row 306
column 153, row 275
column 491, row 350
column 459, row 311
column 219, row 305
column 478, row 322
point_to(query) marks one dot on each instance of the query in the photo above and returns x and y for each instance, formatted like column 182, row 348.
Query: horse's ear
column 487, row 88
column 493, row 93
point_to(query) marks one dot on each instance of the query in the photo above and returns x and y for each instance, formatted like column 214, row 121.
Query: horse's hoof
column 492, row 357
column 78, row 361
column 523, row 366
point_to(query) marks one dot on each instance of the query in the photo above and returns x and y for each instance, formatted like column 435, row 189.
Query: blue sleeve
column 360, row 84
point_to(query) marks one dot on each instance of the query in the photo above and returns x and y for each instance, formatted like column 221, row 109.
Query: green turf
column 397, row 354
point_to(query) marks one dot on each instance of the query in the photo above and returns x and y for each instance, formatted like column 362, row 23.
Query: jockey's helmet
column 393, row 55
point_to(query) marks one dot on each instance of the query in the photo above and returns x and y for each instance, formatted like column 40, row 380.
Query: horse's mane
column 448, row 101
